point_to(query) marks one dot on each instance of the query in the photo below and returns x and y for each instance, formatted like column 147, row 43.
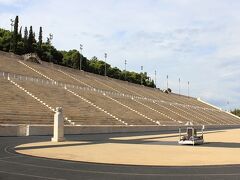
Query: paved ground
column 17, row 166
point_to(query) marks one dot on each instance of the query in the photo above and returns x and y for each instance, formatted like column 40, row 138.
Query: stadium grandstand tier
column 224, row 116
column 30, row 92
column 118, row 109
column 18, row 108
column 75, row 109
column 47, row 72
column 153, row 114
column 82, row 78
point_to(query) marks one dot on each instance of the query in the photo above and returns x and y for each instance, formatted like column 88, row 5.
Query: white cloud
column 9, row 2
column 197, row 40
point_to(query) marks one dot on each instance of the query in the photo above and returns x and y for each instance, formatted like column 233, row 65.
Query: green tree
column 20, row 48
column 46, row 54
column 40, row 37
column 236, row 112
column 31, row 40
column 5, row 40
column 97, row 66
column 25, row 39
column 39, row 44
column 71, row 58
column 15, row 35
column 85, row 63
column 114, row 73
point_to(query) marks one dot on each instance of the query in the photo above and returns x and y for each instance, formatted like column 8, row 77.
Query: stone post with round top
column 58, row 129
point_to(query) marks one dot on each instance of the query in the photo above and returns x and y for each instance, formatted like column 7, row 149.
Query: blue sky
column 195, row 40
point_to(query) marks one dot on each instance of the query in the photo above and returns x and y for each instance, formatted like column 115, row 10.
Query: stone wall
column 12, row 130
column 32, row 130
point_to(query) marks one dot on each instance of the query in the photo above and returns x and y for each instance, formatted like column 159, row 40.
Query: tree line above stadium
column 24, row 42
column 236, row 112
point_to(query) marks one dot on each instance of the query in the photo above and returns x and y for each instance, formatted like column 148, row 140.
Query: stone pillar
column 58, row 130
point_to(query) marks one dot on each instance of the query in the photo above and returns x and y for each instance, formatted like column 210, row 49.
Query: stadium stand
column 90, row 99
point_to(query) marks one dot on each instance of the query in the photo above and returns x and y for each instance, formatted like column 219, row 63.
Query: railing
column 37, row 80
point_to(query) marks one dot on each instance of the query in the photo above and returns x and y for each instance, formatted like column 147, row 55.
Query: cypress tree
column 30, row 40
column 25, row 39
column 20, row 34
column 40, row 38
column 15, row 35
column 39, row 44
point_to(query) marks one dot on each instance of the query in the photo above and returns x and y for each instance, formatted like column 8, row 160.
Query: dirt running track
column 19, row 166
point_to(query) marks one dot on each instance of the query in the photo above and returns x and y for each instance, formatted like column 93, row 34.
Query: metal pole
column 12, row 24
column 125, row 69
column 105, row 56
column 228, row 107
column 179, row 86
column 80, row 59
column 188, row 89
column 167, row 81
column 50, row 38
column 141, row 75
column 155, row 78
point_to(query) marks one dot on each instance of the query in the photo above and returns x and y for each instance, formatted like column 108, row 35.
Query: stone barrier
column 33, row 130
